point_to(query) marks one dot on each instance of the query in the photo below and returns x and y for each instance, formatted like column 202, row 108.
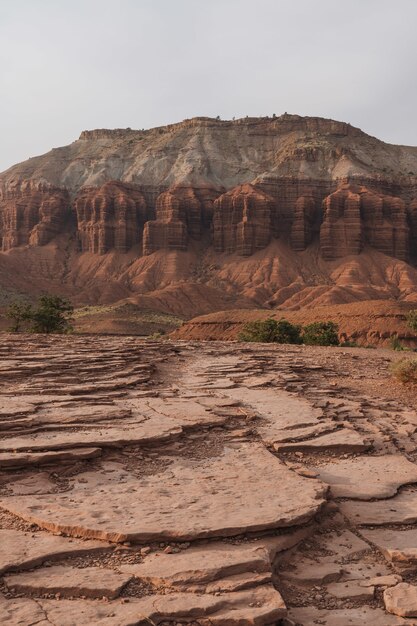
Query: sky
column 71, row 65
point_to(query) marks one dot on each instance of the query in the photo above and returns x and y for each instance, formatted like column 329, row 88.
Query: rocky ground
column 220, row 484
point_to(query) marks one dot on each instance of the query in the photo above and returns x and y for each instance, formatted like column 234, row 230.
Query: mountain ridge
column 206, row 214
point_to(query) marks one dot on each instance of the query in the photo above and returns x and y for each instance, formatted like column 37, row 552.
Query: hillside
column 210, row 215
column 368, row 323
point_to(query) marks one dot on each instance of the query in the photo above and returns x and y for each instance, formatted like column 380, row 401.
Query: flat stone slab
column 365, row 571
column 398, row 546
column 63, row 416
column 36, row 483
column 281, row 412
column 402, row 509
column 313, row 572
column 324, row 569
column 382, row 581
column 401, row 600
column 310, row 616
column 188, row 413
column 368, row 477
column 205, row 564
column 187, row 500
column 22, row 459
column 21, row 549
column 146, row 432
column 294, row 435
column 22, row 612
column 90, row 582
column 342, row 440
column 351, row 589
column 154, row 420
column 260, row 606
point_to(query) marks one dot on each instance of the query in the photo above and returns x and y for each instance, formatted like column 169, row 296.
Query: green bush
column 51, row 315
column 405, row 370
column 19, row 314
column 271, row 331
column 321, row 334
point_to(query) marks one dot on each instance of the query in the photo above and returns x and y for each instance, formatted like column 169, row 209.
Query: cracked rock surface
column 155, row 482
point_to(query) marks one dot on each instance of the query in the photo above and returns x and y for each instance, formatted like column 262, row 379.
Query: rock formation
column 109, row 217
column 355, row 216
column 169, row 229
column 298, row 192
column 385, row 224
column 305, row 214
column 32, row 214
column 181, row 212
column 242, row 220
column 413, row 227
column 341, row 231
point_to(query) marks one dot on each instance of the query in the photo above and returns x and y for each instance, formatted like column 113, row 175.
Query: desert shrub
column 271, row 331
column 405, row 370
column 395, row 343
column 321, row 334
column 52, row 314
column 412, row 320
column 19, row 314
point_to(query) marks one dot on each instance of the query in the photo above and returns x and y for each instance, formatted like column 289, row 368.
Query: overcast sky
column 70, row 65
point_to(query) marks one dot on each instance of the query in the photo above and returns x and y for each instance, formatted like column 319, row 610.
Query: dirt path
column 215, row 484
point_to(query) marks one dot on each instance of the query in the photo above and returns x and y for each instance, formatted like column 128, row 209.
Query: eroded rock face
column 305, row 214
column 269, row 177
column 354, row 217
column 341, row 231
column 242, row 220
column 181, row 212
column 385, row 224
column 33, row 214
column 110, row 217
column 412, row 211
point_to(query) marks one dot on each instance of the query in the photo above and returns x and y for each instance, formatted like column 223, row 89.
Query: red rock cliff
column 242, row 220
column 355, row 216
column 412, row 211
column 305, row 214
column 32, row 213
column 110, row 217
column 181, row 212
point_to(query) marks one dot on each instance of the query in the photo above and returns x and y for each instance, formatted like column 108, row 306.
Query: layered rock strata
column 109, row 217
column 305, row 216
column 242, row 221
column 33, row 214
column 356, row 216
column 412, row 211
column 289, row 191
column 181, row 213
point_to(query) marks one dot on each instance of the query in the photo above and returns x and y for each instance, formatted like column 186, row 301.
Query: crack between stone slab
column 44, row 612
